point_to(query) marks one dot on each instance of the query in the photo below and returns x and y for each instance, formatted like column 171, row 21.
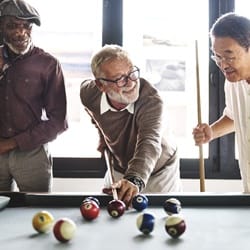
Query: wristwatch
column 137, row 181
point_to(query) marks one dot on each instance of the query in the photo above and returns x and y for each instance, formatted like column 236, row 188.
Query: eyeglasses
column 134, row 75
column 218, row 60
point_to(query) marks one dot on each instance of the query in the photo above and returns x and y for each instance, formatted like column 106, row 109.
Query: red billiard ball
column 89, row 210
column 175, row 225
column 145, row 223
column 116, row 208
column 64, row 229
column 140, row 202
column 172, row 206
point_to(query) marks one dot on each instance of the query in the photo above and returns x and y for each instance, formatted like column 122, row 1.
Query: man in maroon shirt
column 32, row 102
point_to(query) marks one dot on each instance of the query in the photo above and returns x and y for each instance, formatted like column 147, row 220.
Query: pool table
column 214, row 221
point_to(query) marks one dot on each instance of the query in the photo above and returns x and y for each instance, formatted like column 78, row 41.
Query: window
column 71, row 31
column 162, row 42
column 242, row 7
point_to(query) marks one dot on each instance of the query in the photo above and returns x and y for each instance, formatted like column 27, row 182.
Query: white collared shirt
column 104, row 106
column 237, row 108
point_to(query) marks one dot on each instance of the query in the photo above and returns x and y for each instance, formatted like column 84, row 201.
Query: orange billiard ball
column 43, row 221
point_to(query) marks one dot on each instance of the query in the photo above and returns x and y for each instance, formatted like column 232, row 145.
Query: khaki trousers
column 166, row 180
column 30, row 170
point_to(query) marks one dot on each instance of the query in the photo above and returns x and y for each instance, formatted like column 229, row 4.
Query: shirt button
column 6, row 98
column 10, row 129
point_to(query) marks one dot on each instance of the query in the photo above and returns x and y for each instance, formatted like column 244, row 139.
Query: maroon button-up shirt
column 32, row 99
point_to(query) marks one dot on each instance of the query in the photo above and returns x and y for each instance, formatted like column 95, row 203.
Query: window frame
column 220, row 164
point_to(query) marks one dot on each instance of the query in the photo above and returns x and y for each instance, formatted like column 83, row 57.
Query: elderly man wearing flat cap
column 32, row 102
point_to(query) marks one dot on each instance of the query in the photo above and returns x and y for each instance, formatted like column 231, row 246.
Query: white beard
column 20, row 52
column 123, row 98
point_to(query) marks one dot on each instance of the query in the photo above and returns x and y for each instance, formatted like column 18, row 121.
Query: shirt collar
column 104, row 106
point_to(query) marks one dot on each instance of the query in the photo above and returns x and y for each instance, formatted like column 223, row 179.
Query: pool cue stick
column 110, row 175
column 201, row 159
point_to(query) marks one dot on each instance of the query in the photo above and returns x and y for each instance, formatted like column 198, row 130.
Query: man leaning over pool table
column 128, row 113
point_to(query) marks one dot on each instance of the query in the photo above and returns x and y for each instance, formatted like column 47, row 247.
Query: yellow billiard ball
column 43, row 221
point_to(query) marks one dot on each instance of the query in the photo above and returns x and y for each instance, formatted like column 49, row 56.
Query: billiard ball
column 145, row 223
column 43, row 221
column 175, row 225
column 172, row 206
column 64, row 229
column 140, row 202
column 91, row 198
column 116, row 208
column 89, row 210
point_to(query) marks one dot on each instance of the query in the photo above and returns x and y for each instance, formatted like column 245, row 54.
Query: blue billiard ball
column 145, row 223
column 172, row 206
column 140, row 202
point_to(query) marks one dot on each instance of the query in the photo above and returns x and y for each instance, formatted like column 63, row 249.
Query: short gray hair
column 106, row 53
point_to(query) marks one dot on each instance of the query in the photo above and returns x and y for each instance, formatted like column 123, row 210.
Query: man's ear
column 100, row 85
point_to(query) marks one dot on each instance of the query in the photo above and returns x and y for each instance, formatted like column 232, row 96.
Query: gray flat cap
column 19, row 9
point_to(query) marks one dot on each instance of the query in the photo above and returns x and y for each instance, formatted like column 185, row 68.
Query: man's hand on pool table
column 126, row 190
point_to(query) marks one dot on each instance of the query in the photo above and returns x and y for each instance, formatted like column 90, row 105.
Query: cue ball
column 64, row 229
column 116, row 208
column 140, row 202
column 172, row 206
column 175, row 225
column 145, row 223
column 89, row 210
column 43, row 221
